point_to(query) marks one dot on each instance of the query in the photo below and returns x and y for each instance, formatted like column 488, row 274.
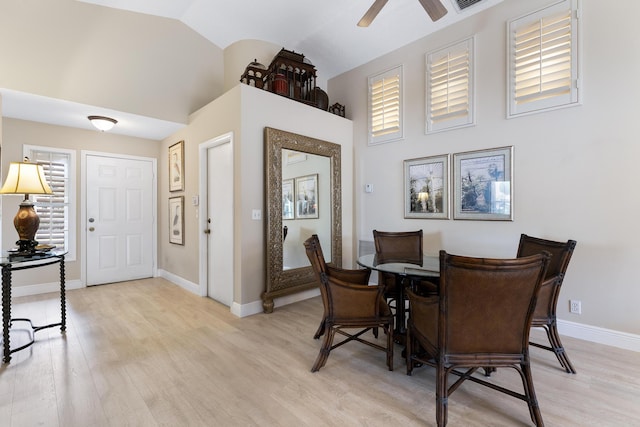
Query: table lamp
column 26, row 178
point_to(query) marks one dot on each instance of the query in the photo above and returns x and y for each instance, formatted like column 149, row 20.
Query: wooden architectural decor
column 254, row 75
column 290, row 75
column 337, row 109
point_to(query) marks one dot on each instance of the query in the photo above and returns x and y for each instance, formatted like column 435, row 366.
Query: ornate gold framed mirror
column 308, row 203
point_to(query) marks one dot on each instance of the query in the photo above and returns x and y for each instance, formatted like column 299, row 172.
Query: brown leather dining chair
column 398, row 246
column 480, row 319
column 348, row 304
column 544, row 315
column 360, row 276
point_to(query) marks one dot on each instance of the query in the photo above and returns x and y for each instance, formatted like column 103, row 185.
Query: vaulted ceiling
column 325, row 32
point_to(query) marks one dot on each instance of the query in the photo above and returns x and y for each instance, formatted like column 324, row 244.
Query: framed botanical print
column 288, row 211
column 176, row 166
column 307, row 196
column 176, row 220
column 426, row 187
column 483, row 184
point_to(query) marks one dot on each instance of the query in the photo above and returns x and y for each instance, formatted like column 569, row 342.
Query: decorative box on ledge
column 254, row 75
column 290, row 75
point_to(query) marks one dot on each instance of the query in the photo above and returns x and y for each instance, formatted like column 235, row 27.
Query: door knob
column 91, row 219
column 207, row 231
column 91, row 229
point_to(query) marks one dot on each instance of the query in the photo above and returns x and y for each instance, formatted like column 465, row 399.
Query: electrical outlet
column 575, row 306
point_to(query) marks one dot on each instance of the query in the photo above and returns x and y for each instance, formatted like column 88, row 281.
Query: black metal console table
column 15, row 263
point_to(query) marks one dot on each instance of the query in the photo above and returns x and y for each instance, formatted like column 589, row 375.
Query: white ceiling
column 325, row 32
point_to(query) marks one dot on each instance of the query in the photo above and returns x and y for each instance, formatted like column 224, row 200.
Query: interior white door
column 220, row 222
column 120, row 219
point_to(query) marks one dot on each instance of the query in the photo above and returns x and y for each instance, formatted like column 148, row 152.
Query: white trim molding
column 599, row 335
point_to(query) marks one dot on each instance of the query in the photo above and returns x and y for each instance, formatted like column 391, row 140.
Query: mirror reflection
column 302, row 196
column 306, row 181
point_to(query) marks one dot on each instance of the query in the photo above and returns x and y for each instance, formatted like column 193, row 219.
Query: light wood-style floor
column 148, row 353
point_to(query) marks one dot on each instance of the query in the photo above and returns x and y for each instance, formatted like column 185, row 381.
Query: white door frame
column 83, row 208
column 203, row 149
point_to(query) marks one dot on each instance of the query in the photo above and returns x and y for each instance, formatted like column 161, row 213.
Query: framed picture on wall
column 426, row 187
column 176, row 166
column 176, row 220
column 307, row 196
column 483, row 184
column 288, row 210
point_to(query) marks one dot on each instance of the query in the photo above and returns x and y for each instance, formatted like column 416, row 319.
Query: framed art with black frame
column 176, row 220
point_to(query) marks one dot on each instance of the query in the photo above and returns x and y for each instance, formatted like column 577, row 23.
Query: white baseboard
column 599, row 335
column 256, row 306
column 44, row 288
column 194, row 288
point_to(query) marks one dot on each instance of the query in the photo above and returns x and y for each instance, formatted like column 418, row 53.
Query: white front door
column 120, row 219
column 220, row 222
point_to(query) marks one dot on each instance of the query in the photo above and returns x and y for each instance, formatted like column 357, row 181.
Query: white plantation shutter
column 55, row 210
column 385, row 106
column 543, row 59
column 450, row 78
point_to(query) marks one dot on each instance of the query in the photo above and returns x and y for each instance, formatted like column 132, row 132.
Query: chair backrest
column 314, row 253
column 560, row 256
column 398, row 246
column 560, row 252
column 486, row 304
column 319, row 265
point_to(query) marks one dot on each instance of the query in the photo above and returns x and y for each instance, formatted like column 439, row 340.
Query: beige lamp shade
column 25, row 178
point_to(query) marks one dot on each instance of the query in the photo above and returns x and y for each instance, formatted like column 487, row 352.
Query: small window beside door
column 56, row 211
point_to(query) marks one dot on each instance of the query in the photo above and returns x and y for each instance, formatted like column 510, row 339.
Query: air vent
column 463, row 4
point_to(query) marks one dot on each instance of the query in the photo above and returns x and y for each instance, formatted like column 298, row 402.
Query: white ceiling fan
column 434, row 8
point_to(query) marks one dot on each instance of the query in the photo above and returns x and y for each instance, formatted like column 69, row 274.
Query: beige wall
column 246, row 111
column 575, row 169
column 111, row 58
column 16, row 133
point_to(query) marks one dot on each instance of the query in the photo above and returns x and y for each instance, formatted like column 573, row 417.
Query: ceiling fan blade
column 434, row 8
column 373, row 11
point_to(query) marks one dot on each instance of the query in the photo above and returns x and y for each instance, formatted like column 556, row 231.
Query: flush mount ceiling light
column 102, row 123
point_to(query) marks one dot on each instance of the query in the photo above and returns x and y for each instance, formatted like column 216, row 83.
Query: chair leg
column 441, row 395
column 325, row 349
column 320, row 331
column 558, row 349
column 409, row 351
column 389, row 330
column 530, row 394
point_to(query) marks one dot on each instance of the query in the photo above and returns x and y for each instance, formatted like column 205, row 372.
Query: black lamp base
column 26, row 245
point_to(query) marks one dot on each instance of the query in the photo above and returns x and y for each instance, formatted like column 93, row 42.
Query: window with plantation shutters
column 385, row 106
column 450, row 87
column 543, row 59
column 56, row 211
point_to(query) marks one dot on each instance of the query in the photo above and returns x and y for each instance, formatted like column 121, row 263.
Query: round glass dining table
column 404, row 274
column 430, row 266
